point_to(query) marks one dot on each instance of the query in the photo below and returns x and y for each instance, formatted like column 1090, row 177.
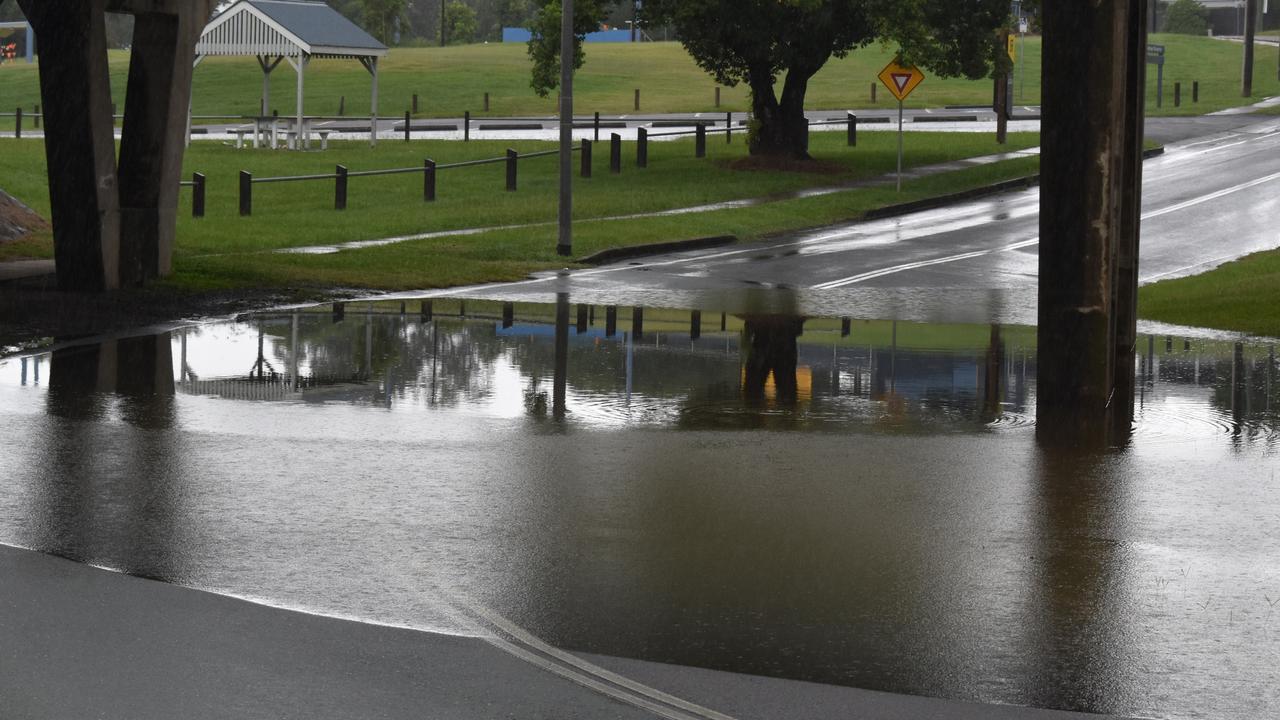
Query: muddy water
column 852, row 502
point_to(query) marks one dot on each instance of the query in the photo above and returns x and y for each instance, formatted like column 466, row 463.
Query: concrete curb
column 634, row 251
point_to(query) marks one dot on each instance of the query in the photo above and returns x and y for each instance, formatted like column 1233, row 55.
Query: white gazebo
column 296, row 31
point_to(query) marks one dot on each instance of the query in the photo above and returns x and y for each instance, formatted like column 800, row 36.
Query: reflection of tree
column 771, row 351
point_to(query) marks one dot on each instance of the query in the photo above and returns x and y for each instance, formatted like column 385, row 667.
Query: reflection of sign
column 1013, row 48
column 1155, row 54
column 901, row 79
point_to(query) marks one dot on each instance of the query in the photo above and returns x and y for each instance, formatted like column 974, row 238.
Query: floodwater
column 833, row 500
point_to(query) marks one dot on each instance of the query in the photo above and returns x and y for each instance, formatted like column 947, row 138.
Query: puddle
column 846, row 501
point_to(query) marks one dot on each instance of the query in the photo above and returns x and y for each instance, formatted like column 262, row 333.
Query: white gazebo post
column 300, row 66
column 371, row 64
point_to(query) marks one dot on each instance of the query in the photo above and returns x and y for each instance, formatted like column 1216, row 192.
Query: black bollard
column 427, row 313
column 695, row 325
column 428, row 180
column 611, row 321
column 615, row 153
column 197, row 195
column 700, row 147
column 408, row 125
column 340, row 188
column 853, row 130
column 342, row 106
column 415, row 103
column 873, row 92
column 508, row 315
column 596, row 137
column 637, row 99
column 17, row 127
column 513, row 160
column 637, row 323
column 583, row 315
column 642, row 148
column 717, row 96
column 1195, row 91
column 728, row 128
column 486, row 102
column 586, row 158
column 1177, row 94
column 846, row 327
column 466, row 126
column 246, row 193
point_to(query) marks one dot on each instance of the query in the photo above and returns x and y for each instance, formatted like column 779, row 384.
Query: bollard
column 466, row 126
column 611, row 321
column 717, row 96
column 1195, row 91
column 615, row 153
column 340, row 188
column 728, row 128
column 17, row 128
column 1177, row 94
column 486, row 102
column 637, row 99
column 586, row 158
column 415, row 103
column 853, row 130
column 426, row 311
column 36, row 117
column 339, row 312
column 695, row 325
column 637, row 323
column 246, row 193
column 642, row 148
column 342, row 106
column 846, row 327
column 583, row 317
column 197, row 195
column 700, row 149
column 873, row 92
column 406, row 125
column 428, row 180
column 596, row 138
column 508, row 315
column 513, row 158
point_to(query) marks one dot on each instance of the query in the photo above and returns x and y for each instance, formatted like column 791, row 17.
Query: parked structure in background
column 1227, row 17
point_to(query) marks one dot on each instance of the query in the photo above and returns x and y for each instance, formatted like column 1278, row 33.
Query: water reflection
column 831, row 499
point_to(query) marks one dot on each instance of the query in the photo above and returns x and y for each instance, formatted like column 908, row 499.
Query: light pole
column 565, row 245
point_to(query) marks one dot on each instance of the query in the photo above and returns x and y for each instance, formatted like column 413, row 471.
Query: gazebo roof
column 291, row 28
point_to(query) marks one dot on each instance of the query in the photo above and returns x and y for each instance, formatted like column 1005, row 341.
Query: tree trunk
column 781, row 129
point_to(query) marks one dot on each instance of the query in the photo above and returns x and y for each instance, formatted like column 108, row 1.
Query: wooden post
column 596, row 137
column 1250, row 36
column 340, row 188
column 197, row 195
column 466, row 126
column 415, row 103
column 728, row 128
column 853, row 130
column 873, row 93
column 1195, row 91
column 486, row 102
column 586, row 158
column 1002, row 88
column 513, row 160
column 700, row 143
column 408, row 125
column 1177, row 94
column 17, row 123
column 428, row 180
column 615, row 153
column 642, row 148
column 637, row 99
column 246, row 193
column 717, row 96
column 1090, row 204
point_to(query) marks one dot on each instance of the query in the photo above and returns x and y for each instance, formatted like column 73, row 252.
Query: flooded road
column 836, row 500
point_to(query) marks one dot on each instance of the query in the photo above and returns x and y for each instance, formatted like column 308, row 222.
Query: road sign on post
column 1155, row 56
column 901, row 80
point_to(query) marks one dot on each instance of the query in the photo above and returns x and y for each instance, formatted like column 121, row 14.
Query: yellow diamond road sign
column 901, row 79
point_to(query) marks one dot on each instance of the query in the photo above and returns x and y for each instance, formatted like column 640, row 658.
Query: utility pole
column 565, row 245
column 1250, row 34
column 1002, row 98
column 635, row 18
column 443, row 3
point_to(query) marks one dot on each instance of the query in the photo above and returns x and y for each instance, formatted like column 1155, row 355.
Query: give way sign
column 901, row 79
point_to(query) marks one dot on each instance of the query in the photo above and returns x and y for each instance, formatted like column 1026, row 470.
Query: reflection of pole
column 1250, row 33
column 562, row 356
column 1239, row 386
column 182, row 369
column 261, row 357
column 435, row 355
column 24, row 371
column 293, row 354
column 893, row 360
column 368, row 345
column 899, row 146
column 631, row 354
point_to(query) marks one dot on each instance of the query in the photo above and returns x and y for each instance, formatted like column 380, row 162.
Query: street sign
column 1155, row 55
column 1013, row 48
column 901, row 79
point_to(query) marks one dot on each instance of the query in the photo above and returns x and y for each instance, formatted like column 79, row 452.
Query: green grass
column 1242, row 296
column 452, row 80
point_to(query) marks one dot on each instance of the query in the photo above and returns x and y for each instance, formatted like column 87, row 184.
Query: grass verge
column 1243, row 295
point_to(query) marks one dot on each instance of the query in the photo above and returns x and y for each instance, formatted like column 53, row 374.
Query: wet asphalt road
column 1207, row 200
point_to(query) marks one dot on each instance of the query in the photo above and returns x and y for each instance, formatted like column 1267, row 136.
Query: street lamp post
column 565, row 244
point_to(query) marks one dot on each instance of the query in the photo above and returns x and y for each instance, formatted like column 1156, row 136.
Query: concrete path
column 23, row 269
column 78, row 642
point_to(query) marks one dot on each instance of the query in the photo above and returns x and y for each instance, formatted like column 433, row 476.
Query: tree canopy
column 757, row 41
column 544, row 47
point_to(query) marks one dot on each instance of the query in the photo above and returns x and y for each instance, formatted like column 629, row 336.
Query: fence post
column 407, row 125
column 35, row 119
column 873, row 92
column 415, row 103
column 717, row 96
column 17, row 128
column 586, row 158
column 701, row 144
column 342, row 106
column 1177, row 94
column 246, row 193
column 340, row 188
column 853, row 130
column 596, row 138
column 637, row 99
column 642, row 148
column 197, row 195
column 728, row 128
column 615, row 153
column 1195, row 91
column 466, row 127
column 486, row 102
column 428, row 180
column 513, row 159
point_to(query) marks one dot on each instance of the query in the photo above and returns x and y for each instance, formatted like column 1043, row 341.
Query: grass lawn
column 1242, row 295
column 452, row 80
column 300, row 214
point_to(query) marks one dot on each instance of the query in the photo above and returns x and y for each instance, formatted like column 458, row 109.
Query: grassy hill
column 452, row 80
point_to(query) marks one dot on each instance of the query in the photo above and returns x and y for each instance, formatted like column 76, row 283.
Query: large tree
column 757, row 41
column 544, row 48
